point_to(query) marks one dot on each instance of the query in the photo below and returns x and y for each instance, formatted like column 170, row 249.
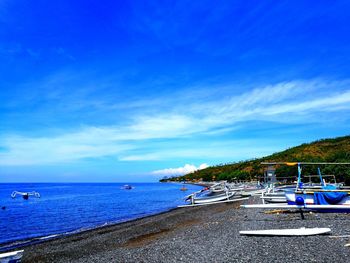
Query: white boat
column 322, row 197
column 218, row 202
column 217, row 188
column 309, row 197
column 206, row 196
column 273, row 199
column 287, row 232
column 251, row 191
column 247, row 189
column 25, row 195
column 127, row 187
column 210, row 199
column 11, row 257
column 273, row 195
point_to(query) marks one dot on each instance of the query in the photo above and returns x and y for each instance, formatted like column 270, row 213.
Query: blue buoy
column 299, row 200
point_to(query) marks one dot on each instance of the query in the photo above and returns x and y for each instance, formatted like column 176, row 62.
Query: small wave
column 76, row 209
column 48, row 237
column 25, row 242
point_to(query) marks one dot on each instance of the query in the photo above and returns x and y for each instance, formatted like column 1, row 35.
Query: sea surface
column 65, row 208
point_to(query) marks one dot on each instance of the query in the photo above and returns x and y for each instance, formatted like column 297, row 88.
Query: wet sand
column 201, row 234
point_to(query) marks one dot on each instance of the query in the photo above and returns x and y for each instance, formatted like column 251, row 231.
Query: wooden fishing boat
column 318, row 197
column 206, row 196
column 273, row 195
column 127, row 187
column 273, row 199
column 218, row 202
column 210, row 199
column 25, row 195
column 323, row 197
column 183, row 188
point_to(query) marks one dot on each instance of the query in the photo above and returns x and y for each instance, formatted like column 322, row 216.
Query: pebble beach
column 202, row 234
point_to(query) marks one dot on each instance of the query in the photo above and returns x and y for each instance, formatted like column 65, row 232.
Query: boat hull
column 211, row 199
column 308, row 197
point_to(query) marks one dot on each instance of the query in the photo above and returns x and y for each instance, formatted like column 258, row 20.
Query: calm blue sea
column 66, row 207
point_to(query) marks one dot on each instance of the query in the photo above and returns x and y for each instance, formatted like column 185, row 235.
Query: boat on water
column 11, row 257
column 25, row 195
column 127, row 187
column 183, row 188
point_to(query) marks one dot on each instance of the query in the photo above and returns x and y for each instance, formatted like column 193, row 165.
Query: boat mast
column 299, row 183
column 319, row 173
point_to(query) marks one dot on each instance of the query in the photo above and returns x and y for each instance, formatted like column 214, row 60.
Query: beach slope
column 201, row 234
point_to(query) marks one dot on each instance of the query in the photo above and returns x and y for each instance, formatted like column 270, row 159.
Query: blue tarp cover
column 329, row 187
column 328, row 198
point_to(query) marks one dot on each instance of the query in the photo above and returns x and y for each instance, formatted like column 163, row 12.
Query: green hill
column 325, row 150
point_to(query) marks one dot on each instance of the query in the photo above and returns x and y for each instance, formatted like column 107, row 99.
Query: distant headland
column 324, row 150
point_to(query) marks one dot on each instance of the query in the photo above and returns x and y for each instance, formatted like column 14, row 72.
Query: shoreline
column 207, row 233
column 21, row 243
column 151, row 219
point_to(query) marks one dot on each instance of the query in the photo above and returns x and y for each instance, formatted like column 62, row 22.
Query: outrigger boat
column 183, row 188
column 322, row 198
column 218, row 188
column 127, row 187
column 25, row 195
column 275, row 194
column 247, row 189
column 209, row 199
column 206, row 197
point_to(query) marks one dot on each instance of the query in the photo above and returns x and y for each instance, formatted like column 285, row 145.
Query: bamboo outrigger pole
column 295, row 163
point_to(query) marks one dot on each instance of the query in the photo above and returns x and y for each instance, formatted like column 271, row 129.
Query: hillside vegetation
column 326, row 150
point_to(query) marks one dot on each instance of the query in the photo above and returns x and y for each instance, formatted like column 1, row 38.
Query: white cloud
column 188, row 168
column 88, row 143
column 295, row 101
column 228, row 150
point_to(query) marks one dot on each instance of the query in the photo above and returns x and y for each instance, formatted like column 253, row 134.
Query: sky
column 131, row 91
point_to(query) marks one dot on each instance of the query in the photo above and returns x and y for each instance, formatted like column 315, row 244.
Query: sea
column 66, row 208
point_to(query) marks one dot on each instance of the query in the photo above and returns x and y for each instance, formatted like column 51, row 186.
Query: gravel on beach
column 202, row 234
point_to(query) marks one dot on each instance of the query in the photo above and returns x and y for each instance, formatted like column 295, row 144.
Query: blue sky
column 134, row 90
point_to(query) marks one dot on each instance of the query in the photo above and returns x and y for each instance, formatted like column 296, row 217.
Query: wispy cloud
column 10, row 48
column 288, row 102
column 213, row 149
column 187, row 168
column 88, row 143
